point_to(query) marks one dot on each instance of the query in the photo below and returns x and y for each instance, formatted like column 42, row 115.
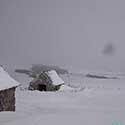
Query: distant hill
column 100, row 76
column 38, row 68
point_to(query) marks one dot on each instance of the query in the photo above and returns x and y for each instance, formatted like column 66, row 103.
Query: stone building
column 7, row 91
column 46, row 81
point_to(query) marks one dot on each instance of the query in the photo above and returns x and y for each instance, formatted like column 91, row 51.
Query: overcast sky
column 70, row 33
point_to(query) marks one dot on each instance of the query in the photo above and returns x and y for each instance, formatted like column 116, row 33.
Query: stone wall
column 7, row 99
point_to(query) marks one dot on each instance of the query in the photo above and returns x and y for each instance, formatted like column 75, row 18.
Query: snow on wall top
column 55, row 77
column 6, row 81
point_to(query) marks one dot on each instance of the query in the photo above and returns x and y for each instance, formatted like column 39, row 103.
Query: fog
column 69, row 33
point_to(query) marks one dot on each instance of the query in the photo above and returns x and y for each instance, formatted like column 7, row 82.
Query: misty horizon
column 80, row 35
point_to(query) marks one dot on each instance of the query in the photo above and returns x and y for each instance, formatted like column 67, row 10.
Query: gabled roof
column 56, row 80
column 6, row 81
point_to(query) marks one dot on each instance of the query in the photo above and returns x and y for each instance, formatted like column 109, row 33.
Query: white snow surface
column 6, row 81
column 68, row 88
column 55, row 77
column 101, row 102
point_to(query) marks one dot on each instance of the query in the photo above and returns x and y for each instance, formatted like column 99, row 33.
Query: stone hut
column 46, row 81
column 7, row 91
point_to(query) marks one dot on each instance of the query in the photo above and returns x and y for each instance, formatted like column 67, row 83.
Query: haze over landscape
column 62, row 62
column 69, row 33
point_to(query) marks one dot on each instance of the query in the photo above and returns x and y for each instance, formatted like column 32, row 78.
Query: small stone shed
column 7, row 91
column 46, row 81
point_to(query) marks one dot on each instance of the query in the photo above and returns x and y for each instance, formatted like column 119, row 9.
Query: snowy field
column 98, row 102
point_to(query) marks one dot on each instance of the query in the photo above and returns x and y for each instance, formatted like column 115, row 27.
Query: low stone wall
column 7, row 99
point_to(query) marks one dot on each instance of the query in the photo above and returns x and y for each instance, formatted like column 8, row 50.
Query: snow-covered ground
column 99, row 102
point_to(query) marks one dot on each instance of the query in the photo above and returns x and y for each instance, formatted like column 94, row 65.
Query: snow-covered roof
column 6, row 81
column 55, row 77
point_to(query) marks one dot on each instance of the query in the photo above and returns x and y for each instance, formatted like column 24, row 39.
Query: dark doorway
column 42, row 87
